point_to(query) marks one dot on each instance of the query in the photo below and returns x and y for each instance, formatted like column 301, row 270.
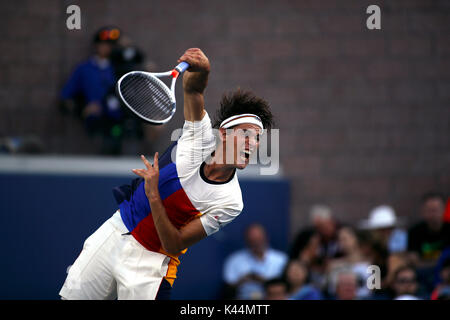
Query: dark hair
column 241, row 101
column 433, row 195
column 254, row 225
column 300, row 243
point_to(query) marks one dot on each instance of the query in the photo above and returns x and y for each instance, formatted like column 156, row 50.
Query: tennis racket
column 147, row 96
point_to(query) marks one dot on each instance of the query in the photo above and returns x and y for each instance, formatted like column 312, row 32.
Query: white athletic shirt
column 218, row 203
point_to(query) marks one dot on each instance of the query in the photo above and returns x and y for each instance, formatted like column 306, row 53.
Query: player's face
column 245, row 141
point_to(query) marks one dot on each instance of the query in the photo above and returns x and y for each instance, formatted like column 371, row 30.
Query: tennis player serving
column 189, row 193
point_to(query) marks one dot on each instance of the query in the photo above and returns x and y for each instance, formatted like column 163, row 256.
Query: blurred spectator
column 429, row 237
column 377, row 255
column 308, row 246
column 126, row 57
column 297, row 276
column 85, row 93
column 246, row 270
column 346, row 285
column 393, row 263
column 405, row 285
column 383, row 226
column 89, row 92
column 351, row 257
column 325, row 227
column 372, row 250
column 316, row 244
column 442, row 290
column 275, row 289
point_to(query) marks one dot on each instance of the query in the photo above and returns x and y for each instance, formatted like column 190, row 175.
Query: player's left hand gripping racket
column 147, row 96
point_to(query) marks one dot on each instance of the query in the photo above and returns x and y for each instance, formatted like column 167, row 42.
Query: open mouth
column 245, row 155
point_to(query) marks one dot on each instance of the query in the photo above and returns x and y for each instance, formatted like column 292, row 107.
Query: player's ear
column 223, row 134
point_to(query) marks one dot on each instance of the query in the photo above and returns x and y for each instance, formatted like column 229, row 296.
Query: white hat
column 380, row 217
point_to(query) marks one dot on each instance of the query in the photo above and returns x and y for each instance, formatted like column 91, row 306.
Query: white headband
column 242, row 118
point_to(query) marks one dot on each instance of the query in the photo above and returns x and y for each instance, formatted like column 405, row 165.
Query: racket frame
column 155, row 76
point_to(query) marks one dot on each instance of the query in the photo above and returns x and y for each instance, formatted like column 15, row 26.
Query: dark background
column 363, row 114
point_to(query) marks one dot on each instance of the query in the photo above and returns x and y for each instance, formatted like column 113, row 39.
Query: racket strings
column 151, row 99
column 147, row 97
column 157, row 95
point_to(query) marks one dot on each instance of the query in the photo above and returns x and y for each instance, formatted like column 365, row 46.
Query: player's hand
column 197, row 60
column 151, row 176
column 195, row 79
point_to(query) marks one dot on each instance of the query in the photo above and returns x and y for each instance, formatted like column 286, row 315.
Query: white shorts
column 112, row 265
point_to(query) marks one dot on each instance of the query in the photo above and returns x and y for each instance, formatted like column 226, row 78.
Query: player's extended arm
column 172, row 240
column 195, row 80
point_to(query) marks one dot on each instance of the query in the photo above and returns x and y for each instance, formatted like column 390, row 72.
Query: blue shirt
column 306, row 292
column 242, row 263
column 398, row 241
column 90, row 80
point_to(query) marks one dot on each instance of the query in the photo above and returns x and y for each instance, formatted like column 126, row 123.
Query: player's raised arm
column 195, row 80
